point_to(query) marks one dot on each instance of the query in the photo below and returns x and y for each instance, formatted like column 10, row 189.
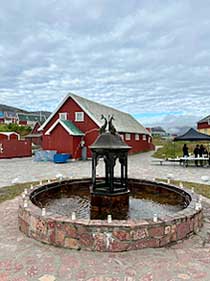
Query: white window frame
column 63, row 115
column 149, row 139
column 137, row 138
column 127, row 136
column 81, row 118
column 144, row 137
column 122, row 136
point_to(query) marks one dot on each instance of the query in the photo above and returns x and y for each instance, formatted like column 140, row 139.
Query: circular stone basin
column 174, row 206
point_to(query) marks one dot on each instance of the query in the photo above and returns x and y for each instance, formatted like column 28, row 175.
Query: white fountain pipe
column 155, row 218
column 73, row 216
column 109, row 218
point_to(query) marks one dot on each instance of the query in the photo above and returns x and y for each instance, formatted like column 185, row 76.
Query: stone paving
column 23, row 259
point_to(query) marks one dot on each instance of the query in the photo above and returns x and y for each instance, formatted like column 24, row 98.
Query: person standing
column 201, row 152
column 185, row 151
column 196, row 153
column 209, row 158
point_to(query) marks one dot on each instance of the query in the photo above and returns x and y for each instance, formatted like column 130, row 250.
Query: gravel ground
column 139, row 165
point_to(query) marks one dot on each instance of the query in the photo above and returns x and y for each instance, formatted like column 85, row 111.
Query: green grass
column 10, row 192
column 173, row 149
column 157, row 141
column 22, row 130
column 200, row 188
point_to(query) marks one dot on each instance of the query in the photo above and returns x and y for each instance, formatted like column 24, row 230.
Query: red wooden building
column 35, row 136
column 11, row 146
column 203, row 125
column 74, row 126
column 9, row 136
column 30, row 119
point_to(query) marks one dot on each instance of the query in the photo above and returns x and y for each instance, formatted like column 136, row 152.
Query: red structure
column 35, row 137
column 74, row 126
column 9, row 136
column 203, row 125
column 15, row 148
column 30, row 119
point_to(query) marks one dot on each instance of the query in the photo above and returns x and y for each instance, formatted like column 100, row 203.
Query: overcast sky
column 149, row 58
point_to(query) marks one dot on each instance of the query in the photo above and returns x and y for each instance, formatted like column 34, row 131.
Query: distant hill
column 181, row 130
column 8, row 108
column 4, row 107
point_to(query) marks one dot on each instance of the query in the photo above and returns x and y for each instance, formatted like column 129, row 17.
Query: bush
column 13, row 127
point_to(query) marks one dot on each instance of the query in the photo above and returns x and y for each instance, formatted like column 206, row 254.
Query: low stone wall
column 99, row 235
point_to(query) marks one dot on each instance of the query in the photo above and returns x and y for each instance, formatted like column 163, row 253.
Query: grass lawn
column 10, row 192
column 172, row 149
column 200, row 188
column 157, row 141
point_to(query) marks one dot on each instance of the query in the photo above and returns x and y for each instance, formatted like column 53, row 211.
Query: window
column 122, row 136
column 127, row 136
column 63, row 115
column 144, row 137
column 149, row 140
column 79, row 116
column 209, row 121
column 137, row 137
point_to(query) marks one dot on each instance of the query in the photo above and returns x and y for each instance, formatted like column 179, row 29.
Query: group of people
column 199, row 151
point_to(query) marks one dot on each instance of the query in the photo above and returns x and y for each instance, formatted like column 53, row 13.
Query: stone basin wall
column 99, row 235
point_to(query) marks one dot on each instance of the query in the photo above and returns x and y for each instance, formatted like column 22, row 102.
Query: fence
column 15, row 148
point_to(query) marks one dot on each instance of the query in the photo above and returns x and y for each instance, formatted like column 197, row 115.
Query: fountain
column 110, row 213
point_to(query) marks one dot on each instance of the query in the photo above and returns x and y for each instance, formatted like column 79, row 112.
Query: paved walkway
column 23, row 259
column 140, row 165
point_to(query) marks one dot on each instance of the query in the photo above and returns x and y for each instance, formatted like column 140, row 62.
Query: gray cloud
column 137, row 56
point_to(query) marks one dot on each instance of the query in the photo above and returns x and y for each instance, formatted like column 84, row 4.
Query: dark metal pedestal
column 116, row 205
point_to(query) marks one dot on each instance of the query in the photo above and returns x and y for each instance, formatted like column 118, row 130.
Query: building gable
column 70, row 107
column 68, row 126
column 205, row 120
column 123, row 121
column 35, row 128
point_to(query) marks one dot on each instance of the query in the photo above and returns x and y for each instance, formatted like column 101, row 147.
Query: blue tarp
column 44, row 155
column 61, row 157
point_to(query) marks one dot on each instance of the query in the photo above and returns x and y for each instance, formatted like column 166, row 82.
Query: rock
column 205, row 178
column 47, row 277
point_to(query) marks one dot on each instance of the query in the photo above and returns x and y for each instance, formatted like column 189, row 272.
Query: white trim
column 52, row 127
column 59, row 121
column 137, row 137
column 127, row 136
column 85, row 110
column 63, row 115
column 53, row 113
column 144, row 137
column 80, row 114
column 70, row 95
column 8, row 134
